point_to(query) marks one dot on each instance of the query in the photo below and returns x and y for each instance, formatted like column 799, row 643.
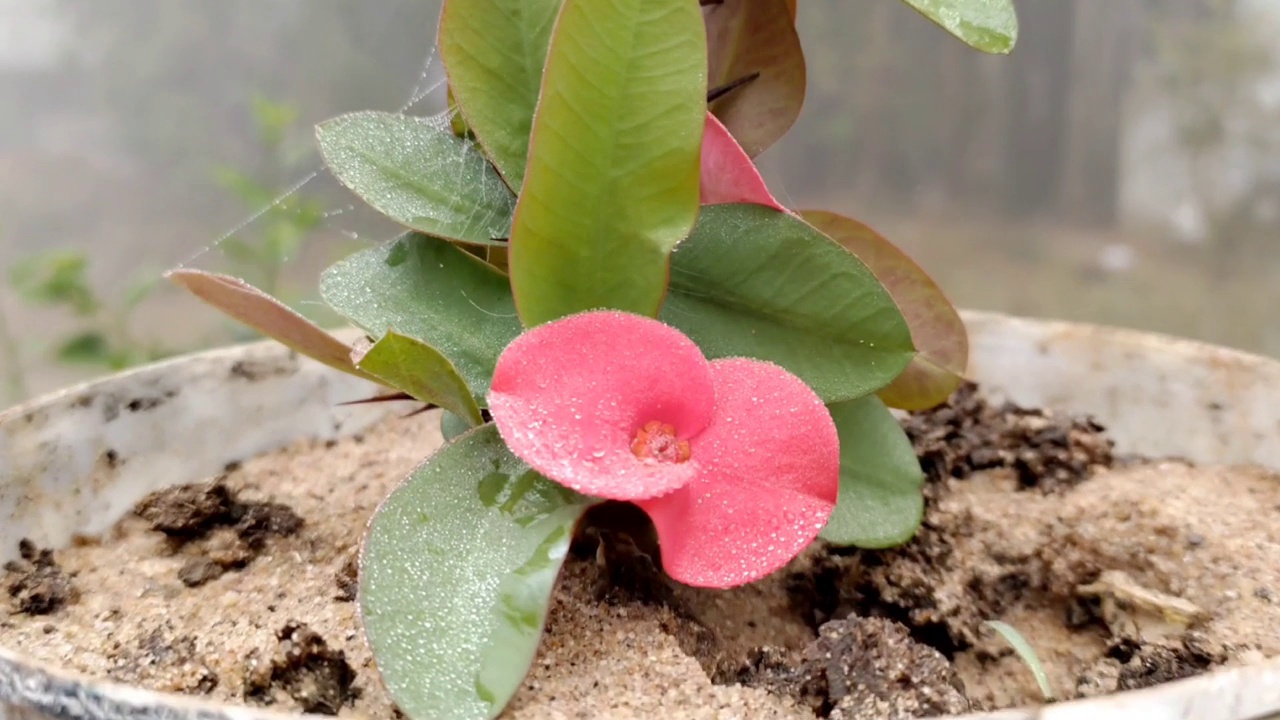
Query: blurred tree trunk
column 874, row 109
column 1102, row 60
column 974, row 124
column 959, row 120
column 1039, row 85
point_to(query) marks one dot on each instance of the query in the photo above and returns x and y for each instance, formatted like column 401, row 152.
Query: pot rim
column 82, row 387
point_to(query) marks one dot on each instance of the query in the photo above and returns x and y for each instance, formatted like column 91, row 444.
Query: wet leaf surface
column 456, row 575
column 880, row 502
column 936, row 328
column 432, row 291
column 754, row 282
column 987, row 25
column 417, row 172
column 421, row 371
column 611, row 183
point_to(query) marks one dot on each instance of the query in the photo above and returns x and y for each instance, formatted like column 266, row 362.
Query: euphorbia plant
column 594, row 261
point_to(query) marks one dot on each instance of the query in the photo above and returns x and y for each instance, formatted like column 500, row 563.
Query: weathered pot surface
column 75, row 461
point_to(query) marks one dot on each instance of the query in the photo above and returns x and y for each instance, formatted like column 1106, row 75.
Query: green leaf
column 273, row 119
column 612, row 179
column 987, row 25
column 417, row 172
column 138, row 291
column 408, row 364
column 267, row 315
column 57, row 277
column 754, row 282
column 451, row 426
column 457, row 123
column 456, row 574
column 241, row 253
column 880, row 502
column 253, row 193
column 936, row 328
column 746, row 37
column 432, row 291
column 87, row 348
column 493, row 52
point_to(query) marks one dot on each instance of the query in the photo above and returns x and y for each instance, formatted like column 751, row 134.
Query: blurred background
column 1122, row 166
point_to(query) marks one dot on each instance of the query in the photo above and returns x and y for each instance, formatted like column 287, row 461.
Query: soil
column 1120, row 572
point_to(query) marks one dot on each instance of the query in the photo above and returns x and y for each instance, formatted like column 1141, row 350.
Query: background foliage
column 1121, row 153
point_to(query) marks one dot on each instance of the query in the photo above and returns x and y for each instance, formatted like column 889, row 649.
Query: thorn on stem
column 719, row 92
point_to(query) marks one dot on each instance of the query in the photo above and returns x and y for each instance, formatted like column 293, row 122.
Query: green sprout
column 1027, row 654
column 102, row 337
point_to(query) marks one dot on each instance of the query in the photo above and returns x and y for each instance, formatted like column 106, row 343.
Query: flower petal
column 728, row 175
column 569, row 396
column 770, row 472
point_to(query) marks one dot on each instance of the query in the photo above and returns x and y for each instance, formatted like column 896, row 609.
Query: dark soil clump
column 871, row 668
column 1119, row 579
column 884, row 625
column 621, row 541
column 866, row 669
column 36, row 583
column 188, row 511
column 1144, row 665
column 967, row 434
column 220, row 532
column 945, row 583
column 347, row 579
column 162, row 646
column 303, row 666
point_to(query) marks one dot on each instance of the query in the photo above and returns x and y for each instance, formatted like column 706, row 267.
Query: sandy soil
column 256, row 605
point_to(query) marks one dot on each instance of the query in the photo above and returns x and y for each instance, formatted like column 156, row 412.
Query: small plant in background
column 593, row 259
column 15, row 376
column 102, row 337
column 287, row 220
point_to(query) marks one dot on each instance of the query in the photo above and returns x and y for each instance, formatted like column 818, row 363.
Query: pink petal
column 770, row 471
column 728, row 175
column 569, row 396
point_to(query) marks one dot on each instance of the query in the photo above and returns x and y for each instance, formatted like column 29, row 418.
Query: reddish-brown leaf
column 267, row 315
column 755, row 36
column 936, row 329
column 728, row 175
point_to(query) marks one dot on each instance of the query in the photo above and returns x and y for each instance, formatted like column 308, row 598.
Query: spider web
column 348, row 217
column 426, row 100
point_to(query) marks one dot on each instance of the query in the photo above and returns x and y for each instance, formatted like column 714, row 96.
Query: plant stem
column 15, row 375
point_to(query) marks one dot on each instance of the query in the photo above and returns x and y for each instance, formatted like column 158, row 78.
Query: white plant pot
column 75, row 461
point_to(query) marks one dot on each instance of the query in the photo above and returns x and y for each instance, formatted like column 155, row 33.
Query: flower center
column 656, row 442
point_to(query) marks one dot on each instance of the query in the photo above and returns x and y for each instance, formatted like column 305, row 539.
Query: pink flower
column 736, row 461
column 728, row 175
